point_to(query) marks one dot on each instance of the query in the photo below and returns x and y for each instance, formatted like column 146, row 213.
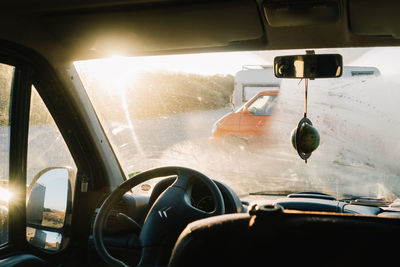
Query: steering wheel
column 168, row 216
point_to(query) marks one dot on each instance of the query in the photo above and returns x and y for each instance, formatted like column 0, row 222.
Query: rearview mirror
column 308, row 66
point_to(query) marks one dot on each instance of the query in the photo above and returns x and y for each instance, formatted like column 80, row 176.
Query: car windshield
column 184, row 110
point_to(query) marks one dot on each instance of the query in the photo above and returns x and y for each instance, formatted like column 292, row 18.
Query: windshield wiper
column 366, row 201
column 296, row 194
column 272, row 193
column 354, row 200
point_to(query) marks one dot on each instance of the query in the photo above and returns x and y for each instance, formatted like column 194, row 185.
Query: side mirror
column 308, row 66
column 48, row 206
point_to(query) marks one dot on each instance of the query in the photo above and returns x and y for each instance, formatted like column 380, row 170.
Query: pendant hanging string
column 305, row 102
column 305, row 95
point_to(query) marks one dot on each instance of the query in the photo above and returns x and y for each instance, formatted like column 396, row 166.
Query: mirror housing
column 308, row 66
column 49, row 206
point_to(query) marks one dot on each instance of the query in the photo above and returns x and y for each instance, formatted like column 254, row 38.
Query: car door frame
column 19, row 118
column 81, row 133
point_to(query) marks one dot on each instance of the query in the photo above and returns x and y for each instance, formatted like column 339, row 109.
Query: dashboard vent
column 112, row 221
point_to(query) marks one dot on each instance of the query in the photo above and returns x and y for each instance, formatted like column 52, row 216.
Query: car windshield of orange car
column 185, row 110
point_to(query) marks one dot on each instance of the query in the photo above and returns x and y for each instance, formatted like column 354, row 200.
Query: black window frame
column 55, row 89
column 30, row 70
column 19, row 119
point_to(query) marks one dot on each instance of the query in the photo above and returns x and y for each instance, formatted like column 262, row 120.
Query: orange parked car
column 247, row 122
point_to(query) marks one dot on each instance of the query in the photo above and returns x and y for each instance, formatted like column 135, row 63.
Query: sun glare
column 118, row 70
column 113, row 73
column 5, row 195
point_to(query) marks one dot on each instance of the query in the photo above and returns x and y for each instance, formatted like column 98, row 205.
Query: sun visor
column 291, row 13
column 375, row 18
column 128, row 31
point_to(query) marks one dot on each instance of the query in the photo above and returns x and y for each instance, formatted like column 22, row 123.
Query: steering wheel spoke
column 135, row 226
column 183, row 179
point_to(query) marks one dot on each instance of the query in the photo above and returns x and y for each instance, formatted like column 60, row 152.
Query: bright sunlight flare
column 5, row 195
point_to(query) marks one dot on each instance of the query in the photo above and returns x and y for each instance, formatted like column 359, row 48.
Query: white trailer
column 256, row 78
column 252, row 80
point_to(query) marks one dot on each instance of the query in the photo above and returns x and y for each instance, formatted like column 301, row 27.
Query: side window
column 50, row 174
column 6, row 76
column 263, row 105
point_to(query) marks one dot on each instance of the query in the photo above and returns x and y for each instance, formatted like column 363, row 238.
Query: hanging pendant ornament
column 305, row 138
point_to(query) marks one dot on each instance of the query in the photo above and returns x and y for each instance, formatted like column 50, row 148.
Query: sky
column 56, row 182
column 118, row 68
column 116, row 71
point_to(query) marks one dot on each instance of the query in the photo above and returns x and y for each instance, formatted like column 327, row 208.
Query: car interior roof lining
column 68, row 31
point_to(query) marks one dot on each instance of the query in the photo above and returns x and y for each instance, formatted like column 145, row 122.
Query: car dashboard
column 122, row 240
